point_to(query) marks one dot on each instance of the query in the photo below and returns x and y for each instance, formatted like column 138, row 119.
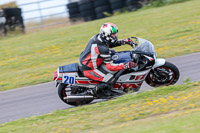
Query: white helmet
column 109, row 32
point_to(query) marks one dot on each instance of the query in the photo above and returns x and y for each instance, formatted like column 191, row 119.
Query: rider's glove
column 127, row 41
column 129, row 64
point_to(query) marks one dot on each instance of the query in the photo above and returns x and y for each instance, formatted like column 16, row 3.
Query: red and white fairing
column 130, row 80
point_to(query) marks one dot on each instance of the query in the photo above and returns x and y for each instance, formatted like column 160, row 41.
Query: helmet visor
column 114, row 36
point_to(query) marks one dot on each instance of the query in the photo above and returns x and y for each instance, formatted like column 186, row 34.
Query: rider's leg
column 103, row 77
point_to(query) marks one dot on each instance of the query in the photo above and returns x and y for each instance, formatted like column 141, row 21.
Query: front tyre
column 167, row 74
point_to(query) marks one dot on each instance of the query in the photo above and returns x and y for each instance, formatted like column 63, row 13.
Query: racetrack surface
column 43, row 98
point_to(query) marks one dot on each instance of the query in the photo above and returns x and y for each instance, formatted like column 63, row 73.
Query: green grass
column 176, row 122
column 31, row 58
column 159, row 3
column 171, row 109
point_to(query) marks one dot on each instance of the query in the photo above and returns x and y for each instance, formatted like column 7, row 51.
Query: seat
column 69, row 68
column 80, row 73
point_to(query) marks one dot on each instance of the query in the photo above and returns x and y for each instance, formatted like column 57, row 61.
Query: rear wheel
column 63, row 91
column 3, row 30
column 167, row 74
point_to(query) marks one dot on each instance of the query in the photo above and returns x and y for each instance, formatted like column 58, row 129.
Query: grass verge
column 31, row 58
column 166, row 109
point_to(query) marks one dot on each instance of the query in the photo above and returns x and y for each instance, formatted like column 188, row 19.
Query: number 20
column 71, row 80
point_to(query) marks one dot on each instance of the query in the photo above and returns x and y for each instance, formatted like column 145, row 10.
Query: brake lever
column 134, row 45
column 136, row 39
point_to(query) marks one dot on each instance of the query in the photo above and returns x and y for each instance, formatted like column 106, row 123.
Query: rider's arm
column 105, row 55
column 122, row 42
column 118, row 43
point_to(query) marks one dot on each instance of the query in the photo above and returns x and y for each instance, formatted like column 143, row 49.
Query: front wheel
column 167, row 74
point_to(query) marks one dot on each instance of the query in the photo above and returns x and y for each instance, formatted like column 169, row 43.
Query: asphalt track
column 43, row 98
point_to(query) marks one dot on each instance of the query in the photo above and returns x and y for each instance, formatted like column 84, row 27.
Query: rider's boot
column 105, row 88
column 93, row 91
column 100, row 86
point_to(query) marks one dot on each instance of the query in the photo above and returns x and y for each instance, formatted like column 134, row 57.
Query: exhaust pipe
column 72, row 98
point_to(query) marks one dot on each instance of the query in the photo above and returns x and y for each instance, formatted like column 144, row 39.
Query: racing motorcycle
column 72, row 84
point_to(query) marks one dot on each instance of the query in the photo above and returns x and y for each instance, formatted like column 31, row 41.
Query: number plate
column 68, row 78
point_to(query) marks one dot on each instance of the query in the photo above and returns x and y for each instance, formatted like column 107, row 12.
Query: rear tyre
column 3, row 30
column 72, row 5
column 98, row 3
column 73, row 9
column 82, row 2
column 87, row 13
column 116, row 6
column 63, row 91
column 167, row 74
column 102, row 9
column 88, row 6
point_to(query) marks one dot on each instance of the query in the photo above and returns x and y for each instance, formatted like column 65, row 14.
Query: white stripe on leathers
column 94, row 55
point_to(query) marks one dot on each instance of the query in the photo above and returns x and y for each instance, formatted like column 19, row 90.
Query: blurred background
column 34, row 14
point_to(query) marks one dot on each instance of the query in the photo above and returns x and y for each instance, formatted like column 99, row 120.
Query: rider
column 97, row 52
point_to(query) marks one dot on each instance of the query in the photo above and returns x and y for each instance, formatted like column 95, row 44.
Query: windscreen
column 146, row 46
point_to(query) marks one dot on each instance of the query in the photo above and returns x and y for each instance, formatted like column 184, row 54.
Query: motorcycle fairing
column 130, row 80
column 133, row 77
column 158, row 62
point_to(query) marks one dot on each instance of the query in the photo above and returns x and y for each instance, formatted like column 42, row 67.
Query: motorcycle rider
column 97, row 53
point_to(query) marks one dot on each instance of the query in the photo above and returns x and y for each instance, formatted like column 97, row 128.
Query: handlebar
column 134, row 45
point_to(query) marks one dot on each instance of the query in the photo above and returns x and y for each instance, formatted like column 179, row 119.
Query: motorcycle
column 154, row 71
